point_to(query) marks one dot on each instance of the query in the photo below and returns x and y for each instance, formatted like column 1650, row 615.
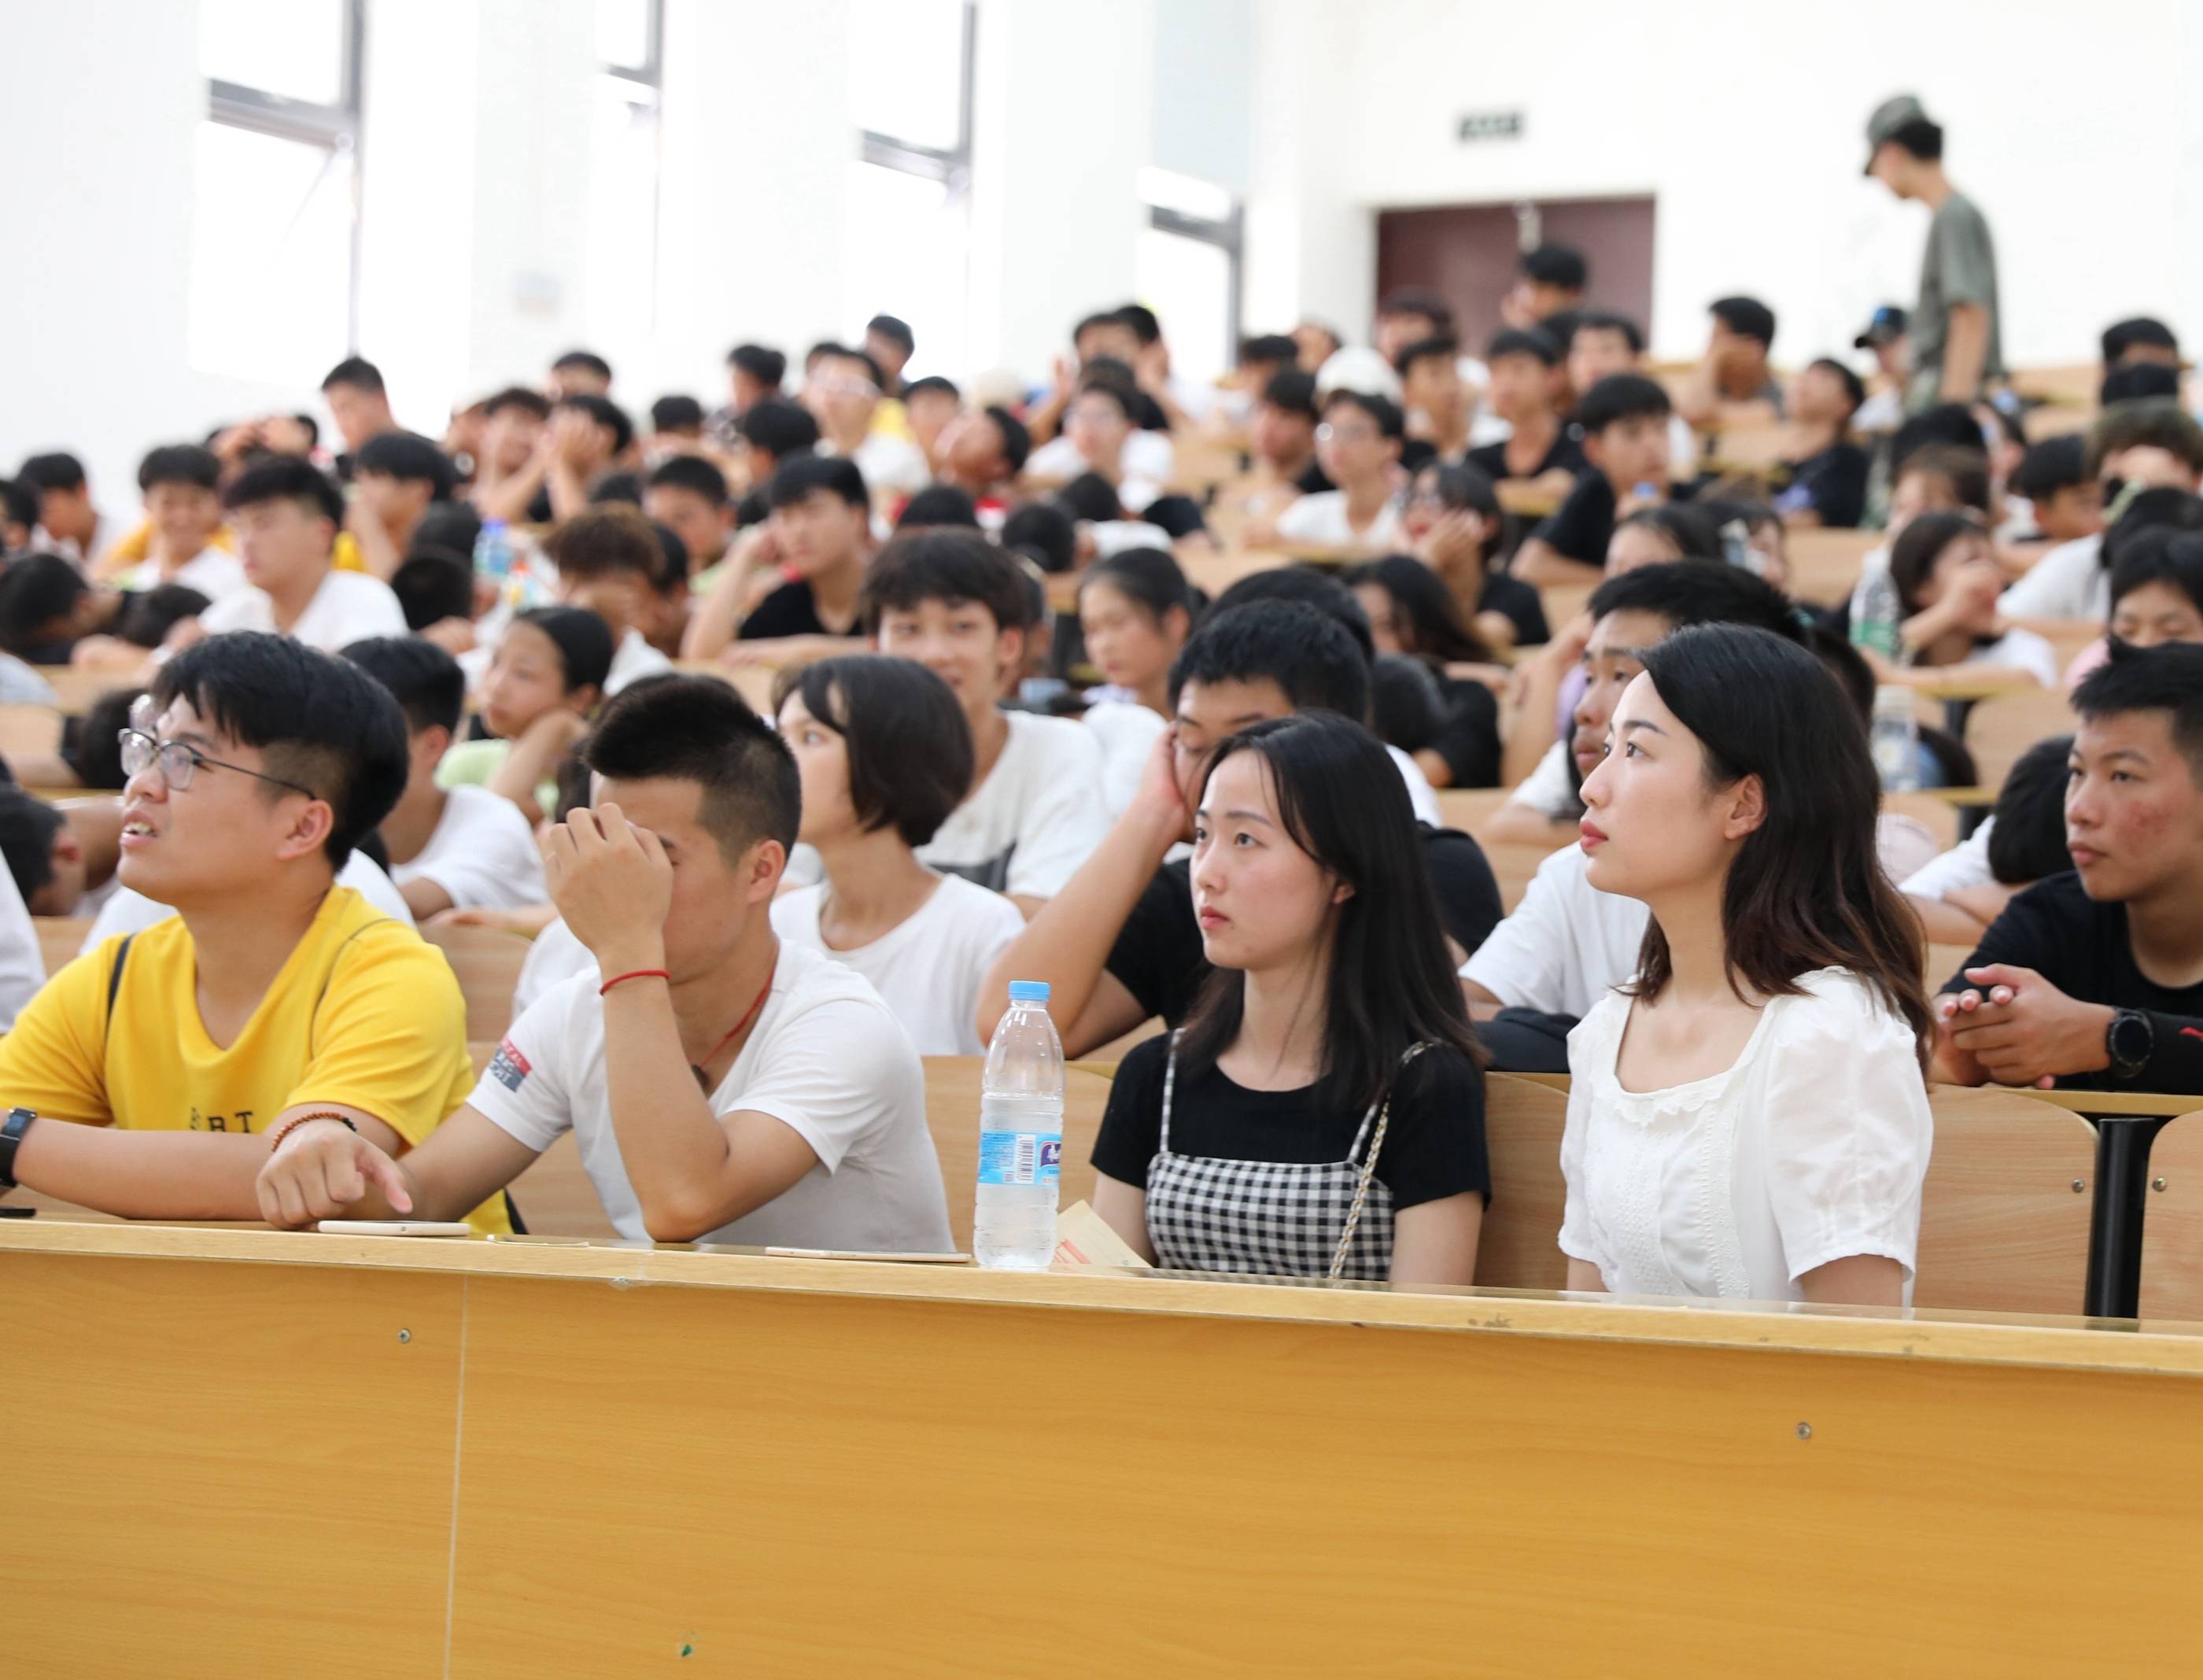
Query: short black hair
column 1854, row 387
column 1690, row 592
column 453, row 527
column 1619, row 397
column 1950, row 424
column 1560, row 265
column 936, row 506
column 672, row 574
column 2137, row 332
column 676, row 414
column 589, row 361
column 92, row 745
column 322, row 722
column 933, row 383
column 1747, row 317
column 20, row 500
column 2055, row 464
column 895, row 330
column 1532, row 341
column 1406, row 709
column 1017, row 439
column 909, row 747
column 606, row 413
column 1417, row 300
column 2159, row 508
column 2139, row 381
column 411, row 459
column 1043, row 533
column 1310, row 587
column 184, row 463
column 604, row 541
column 1146, row 325
column 761, row 362
column 286, row 478
column 698, row 729
column 2164, row 555
column 425, row 681
column 55, row 469
column 1390, row 422
column 1269, row 347
column 1092, row 498
column 944, row 564
column 2157, row 422
column 1293, row 391
column 1107, row 376
column 852, row 352
column 1306, row 652
column 778, row 427
column 1610, row 321
column 1966, row 471
column 35, row 590
column 359, row 373
column 1920, row 137
column 146, row 616
column 518, row 396
column 1438, row 347
column 1104, row 317
column 583, row 639
column 796, row 477
column 27, row 827
column 2027, row 841
column 2167, row 678
column 623, row 488
column 692, row 473
column 431, row 588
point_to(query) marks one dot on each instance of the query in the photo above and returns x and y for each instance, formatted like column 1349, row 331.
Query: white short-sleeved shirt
column 349, row 606
column 23, row 963
column 553, row 955
column 128, row 912
column 2070, row 581
column 1420, row 794
column 1038, row 815
column 1549, row 789
column 214, row 573
column 1126, row 731
column 2019, row 649
column 632, row 661
column 1965, row 865
column 1321, row 518
column 1812, row 1147
column 826, row 1059
column 483, row 853
column 927, row 970
column 1146, row 466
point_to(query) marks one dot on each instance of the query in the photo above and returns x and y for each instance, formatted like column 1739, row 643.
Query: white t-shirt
column 1127, row 732
column 483, row 853
column 128, row 912
column 1965, row 865
column 2070, row 581
column 2020, row 649
column 214, row 573
column 1145, row 465
column 1811, row 1147
column 1549, row 789
column 349, row 606
column 927, row 970
column 1037, row 816
column 23, row 963
column 826, row 1059
column 632, row 661
column 1420, row 794
column 1321, row 518
column 891, row 463
column 553, row 955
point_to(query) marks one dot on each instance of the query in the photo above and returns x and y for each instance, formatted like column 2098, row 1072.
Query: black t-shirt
column 1433, row 1142
column 790, row 610
column 1519, row 601
column 752, row 509
column 1468, row 739
column 1313, row 481
column 1158, row 955
column 1832, row 483
column 1582, row 526
column 2081, row 947
column 1565, row 455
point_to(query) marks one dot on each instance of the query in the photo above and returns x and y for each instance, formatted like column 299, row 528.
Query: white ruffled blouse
column 1811, row 1147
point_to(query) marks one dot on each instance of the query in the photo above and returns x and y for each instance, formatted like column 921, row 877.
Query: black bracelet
column 11, row 1139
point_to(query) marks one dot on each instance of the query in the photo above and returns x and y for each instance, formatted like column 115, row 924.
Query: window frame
column 952, row 168
column 644, row 87
column 1229, row 235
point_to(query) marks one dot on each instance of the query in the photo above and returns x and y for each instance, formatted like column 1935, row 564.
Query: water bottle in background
column 1876, row 618
column 493, row 552
column 1020, row 1136
column 1895, row 739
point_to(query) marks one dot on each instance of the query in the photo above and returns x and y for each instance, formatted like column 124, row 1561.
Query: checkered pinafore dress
column 1270, row 1218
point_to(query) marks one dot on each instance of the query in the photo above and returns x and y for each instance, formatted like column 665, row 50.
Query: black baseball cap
column 1887, row 325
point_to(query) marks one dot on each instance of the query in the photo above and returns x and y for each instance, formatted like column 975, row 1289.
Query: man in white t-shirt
column 1358, row 444
column 462, row 847
column 721, row 1085
column 2152, row 443
column 842, row 391
column 951, row 601
column 182, row 487
column 608, row 558
column 1101, row 434
column 286, row 514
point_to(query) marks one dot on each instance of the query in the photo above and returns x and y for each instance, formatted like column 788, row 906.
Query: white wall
column 2071, row 128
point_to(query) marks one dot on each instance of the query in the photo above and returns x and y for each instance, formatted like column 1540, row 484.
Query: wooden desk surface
column 275, row 1454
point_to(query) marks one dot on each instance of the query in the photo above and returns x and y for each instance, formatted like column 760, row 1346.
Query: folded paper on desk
column 1083, row 1237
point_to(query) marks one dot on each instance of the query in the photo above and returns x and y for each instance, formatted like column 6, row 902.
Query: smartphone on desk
column 396, row 1227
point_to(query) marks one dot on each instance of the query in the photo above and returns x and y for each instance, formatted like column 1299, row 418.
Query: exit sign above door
column 1490, row 126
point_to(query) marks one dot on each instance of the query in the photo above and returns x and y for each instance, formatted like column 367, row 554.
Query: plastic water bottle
column 494, row 552
column 1895, row 739
column 1020, row 1136
column 1876, row 618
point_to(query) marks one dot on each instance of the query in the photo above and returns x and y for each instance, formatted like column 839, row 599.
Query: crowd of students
column 397, row 680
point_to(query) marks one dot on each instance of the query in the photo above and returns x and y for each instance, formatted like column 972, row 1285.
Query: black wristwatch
column 2129, row 1041
column 11, row 1139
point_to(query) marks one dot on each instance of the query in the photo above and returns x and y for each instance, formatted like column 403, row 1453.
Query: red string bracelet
column 636, row 974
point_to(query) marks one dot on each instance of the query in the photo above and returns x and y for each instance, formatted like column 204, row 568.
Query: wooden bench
column 2172, row 1230
column 60, row 939
column 487, row 962
column 1824, row 564
column 2003, row 727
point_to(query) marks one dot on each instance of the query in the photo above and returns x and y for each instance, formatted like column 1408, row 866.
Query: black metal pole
column 2115, row 1221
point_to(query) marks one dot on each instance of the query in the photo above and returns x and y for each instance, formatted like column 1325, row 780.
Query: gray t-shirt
column 1959, row 267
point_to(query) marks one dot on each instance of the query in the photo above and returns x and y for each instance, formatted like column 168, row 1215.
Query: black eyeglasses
column 179, row 761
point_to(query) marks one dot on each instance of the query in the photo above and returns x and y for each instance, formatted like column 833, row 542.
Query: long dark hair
column 1806, row 888
column 1391, row 983
column 1425, row 612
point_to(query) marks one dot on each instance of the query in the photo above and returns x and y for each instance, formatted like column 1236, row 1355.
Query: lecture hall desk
column 239, row 1453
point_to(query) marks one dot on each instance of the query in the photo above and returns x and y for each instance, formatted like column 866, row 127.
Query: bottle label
column 1021, row 1157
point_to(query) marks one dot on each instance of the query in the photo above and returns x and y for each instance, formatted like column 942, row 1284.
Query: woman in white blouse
column 1748, row 1118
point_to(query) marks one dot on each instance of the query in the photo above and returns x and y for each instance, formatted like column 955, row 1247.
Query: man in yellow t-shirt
column 274, row 1004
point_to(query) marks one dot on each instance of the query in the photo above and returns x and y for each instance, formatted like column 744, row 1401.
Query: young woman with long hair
column 1412, row 612
column 1321, row 1111
column 1749, row 1116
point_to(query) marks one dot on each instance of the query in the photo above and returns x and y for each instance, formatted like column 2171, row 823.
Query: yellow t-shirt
column 345, row 556
column 364, row 1012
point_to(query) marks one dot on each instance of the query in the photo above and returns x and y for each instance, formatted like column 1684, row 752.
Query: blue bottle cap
column 1028, row 992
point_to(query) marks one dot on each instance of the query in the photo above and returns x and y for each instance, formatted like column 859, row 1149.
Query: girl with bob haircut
column 1748, row 1118
column 885, row 756
column 1135, row 612
column 1321, row 1111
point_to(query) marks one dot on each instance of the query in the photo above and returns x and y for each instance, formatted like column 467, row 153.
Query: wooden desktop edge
column 2155, row 1348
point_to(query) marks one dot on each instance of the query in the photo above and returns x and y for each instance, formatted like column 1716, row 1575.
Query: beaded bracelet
column 284, row 1128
